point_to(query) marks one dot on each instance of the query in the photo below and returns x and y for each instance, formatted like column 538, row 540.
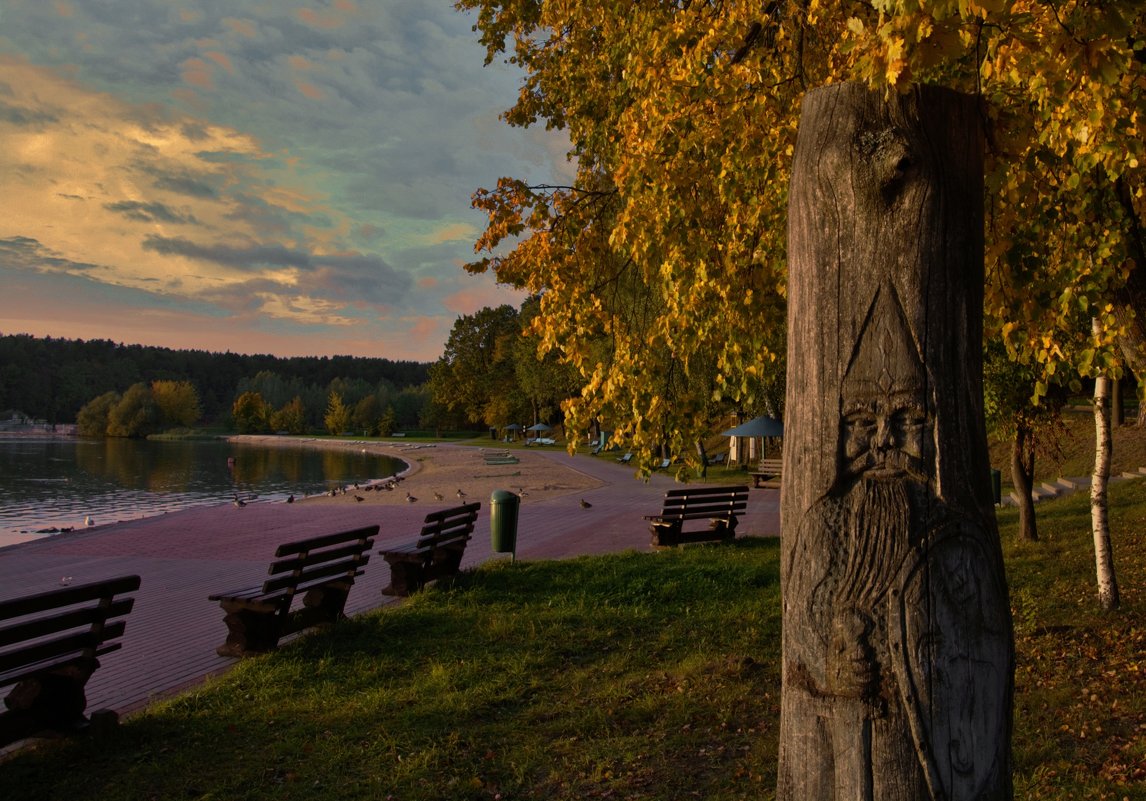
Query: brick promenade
column 183, row 557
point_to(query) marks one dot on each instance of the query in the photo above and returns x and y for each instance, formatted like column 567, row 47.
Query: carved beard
column 877, row 533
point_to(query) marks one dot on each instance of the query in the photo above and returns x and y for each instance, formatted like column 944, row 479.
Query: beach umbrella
column 513, row 427
column 539, row 427
column 763, row 426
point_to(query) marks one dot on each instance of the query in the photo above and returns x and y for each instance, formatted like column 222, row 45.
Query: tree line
column 54, row 378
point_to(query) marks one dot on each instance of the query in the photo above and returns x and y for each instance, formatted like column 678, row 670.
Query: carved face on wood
column 884, row 437
column 885, row 426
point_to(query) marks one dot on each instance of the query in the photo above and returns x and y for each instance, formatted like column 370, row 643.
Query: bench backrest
column 449, row 527
column 59, row 625
column 303, row 564
column 705, row 501
column 773, row 466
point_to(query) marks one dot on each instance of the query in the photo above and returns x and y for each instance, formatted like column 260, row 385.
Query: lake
column 58, row 483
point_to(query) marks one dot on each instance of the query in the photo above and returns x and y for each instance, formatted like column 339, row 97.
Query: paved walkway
column 183, row 557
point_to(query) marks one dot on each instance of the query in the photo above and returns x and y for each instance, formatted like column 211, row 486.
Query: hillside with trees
column 52, row 379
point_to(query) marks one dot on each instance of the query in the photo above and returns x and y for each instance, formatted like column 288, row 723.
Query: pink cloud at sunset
column 486, row 293
column 222, row 59
column 309, row 90
column 243, row 27
column 317, row 19
column 197, row 73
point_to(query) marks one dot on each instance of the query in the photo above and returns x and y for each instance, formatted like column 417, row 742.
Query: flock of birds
column 388, row 485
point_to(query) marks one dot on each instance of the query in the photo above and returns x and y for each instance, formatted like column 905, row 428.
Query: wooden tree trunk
column 1099, row 522
column 1117, row 411
column 1130, row 299
column 898, row 653
column 1022, row 476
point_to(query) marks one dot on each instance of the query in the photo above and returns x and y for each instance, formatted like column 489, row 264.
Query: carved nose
column 883, row 435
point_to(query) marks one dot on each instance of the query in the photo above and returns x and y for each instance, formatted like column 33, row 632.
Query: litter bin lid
column 502, row 495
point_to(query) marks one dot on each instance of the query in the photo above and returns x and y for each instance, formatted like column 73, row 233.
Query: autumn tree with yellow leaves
column 662, row 265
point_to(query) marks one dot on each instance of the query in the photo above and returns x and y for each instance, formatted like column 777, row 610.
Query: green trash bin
column 503, row 506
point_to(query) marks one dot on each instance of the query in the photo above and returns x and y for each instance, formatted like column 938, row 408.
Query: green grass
column 643, row 676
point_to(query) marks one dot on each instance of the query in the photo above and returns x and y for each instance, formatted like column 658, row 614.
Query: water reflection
column 155, row 467
column 57, row 483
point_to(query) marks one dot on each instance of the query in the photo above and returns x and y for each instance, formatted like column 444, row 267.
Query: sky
column 253, row 176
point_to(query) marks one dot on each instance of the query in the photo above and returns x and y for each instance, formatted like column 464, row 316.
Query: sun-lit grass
column 651, row 676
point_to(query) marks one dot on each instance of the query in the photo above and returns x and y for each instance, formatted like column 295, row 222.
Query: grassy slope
column 630, row 676
column 1071, row 453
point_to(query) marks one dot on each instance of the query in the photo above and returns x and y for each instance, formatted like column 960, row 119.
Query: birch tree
column 1099, row 518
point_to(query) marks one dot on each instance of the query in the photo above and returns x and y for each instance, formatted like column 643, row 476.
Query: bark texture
column 1099, row 519
column 1023, row 477
column 1130, row 300
column 898, row 652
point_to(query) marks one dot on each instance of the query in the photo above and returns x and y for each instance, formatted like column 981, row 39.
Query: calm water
column 47, row 484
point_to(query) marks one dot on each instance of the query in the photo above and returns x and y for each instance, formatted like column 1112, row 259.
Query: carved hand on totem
column 851, row 661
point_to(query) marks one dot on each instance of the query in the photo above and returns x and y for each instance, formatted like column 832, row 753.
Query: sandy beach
column 437, row 471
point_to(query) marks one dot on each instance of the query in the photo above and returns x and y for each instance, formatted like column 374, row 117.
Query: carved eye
column 860, row 422
column 907, row 419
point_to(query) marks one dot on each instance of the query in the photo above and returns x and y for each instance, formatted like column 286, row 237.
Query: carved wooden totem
column 898, row 652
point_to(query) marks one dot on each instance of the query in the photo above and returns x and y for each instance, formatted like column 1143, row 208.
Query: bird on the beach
column 438, row 496
column 461, row 494
column 239, row 502
column 359, row 498
column 290, row 498
column 521, row 491
column 585, row 504
column 88, row 521
column 334, row 493
column 410, row 498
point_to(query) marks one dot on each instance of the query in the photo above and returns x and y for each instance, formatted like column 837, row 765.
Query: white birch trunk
column 1099, row 520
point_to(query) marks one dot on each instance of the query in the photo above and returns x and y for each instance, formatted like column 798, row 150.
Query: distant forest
column 51, row 379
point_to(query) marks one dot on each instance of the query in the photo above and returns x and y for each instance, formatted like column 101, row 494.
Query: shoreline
column 393, row 450
column 442, row 473
column 436, row 474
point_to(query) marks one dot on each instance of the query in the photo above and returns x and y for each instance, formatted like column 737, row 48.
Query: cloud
column 184, row 184
column 26, row 118
column 324, row 153
column 26, row 253
column 148, row 212
column 481, row 292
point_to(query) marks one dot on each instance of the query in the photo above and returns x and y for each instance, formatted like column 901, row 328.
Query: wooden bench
column 768, row 474
column 718, row 505
column 320, row 570
column 50, row 644
column 437, row 553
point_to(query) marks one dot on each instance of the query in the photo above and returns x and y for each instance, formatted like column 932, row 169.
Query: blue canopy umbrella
column 763, row 426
